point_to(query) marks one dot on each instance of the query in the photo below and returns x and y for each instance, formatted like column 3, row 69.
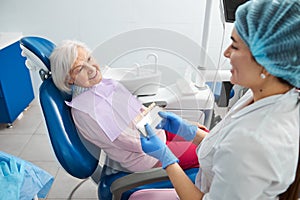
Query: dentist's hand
column 11, row 179
column 156, row 148
column 175, row 124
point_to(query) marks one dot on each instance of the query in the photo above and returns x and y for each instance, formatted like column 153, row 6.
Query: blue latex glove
column 175, row 124
column 156, row 148
column 11, row 179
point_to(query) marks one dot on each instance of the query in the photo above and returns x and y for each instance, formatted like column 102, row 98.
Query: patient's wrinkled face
column 85, row 72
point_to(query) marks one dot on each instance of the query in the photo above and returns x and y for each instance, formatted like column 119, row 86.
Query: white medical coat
column 253, row 152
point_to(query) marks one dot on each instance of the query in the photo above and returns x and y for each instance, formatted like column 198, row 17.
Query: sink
column 139, row 81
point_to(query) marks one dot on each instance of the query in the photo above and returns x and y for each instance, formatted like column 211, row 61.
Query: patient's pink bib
column 110, row 104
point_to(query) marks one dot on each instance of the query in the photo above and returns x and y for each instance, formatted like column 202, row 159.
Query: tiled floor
column 28, row 139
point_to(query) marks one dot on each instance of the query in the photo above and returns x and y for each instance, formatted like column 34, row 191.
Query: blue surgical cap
column 271, row 30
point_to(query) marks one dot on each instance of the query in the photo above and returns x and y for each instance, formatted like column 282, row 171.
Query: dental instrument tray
column 150, row 116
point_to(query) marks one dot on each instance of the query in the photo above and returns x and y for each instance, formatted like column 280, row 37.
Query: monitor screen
column 230, row 7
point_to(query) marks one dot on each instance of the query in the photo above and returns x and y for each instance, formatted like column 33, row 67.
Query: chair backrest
column 69, row 148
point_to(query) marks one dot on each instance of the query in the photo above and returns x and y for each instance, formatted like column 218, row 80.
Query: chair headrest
column 41, row 47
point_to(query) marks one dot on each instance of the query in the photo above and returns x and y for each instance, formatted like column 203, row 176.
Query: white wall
column 94, row 21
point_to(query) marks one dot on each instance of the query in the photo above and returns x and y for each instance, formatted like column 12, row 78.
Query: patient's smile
column 95, row 75
column 86, row 72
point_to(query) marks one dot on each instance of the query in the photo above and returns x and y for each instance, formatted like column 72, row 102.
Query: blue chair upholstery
column 68, row 147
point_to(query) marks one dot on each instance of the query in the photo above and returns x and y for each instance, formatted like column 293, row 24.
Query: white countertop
column 7, row 38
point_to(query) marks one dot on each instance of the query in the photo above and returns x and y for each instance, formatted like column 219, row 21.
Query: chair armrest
column 136, row 179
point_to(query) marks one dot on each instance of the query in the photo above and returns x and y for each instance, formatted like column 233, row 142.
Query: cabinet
column 16, row 91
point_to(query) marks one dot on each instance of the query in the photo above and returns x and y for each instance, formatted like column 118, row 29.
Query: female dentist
column 253, row 152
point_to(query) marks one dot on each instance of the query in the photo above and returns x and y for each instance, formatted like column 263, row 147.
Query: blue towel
column 36, row 181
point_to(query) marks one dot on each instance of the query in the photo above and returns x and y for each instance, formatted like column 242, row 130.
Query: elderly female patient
column 103, row 110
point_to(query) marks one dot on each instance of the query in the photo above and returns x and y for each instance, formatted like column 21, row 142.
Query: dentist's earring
column 262, row 76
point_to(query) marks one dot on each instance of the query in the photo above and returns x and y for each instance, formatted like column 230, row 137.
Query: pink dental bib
column 110, row 104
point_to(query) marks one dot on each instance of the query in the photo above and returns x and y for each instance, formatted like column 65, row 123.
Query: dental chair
column 69, row 147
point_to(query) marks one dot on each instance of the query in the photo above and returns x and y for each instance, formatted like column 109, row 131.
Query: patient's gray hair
column 61, row 60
